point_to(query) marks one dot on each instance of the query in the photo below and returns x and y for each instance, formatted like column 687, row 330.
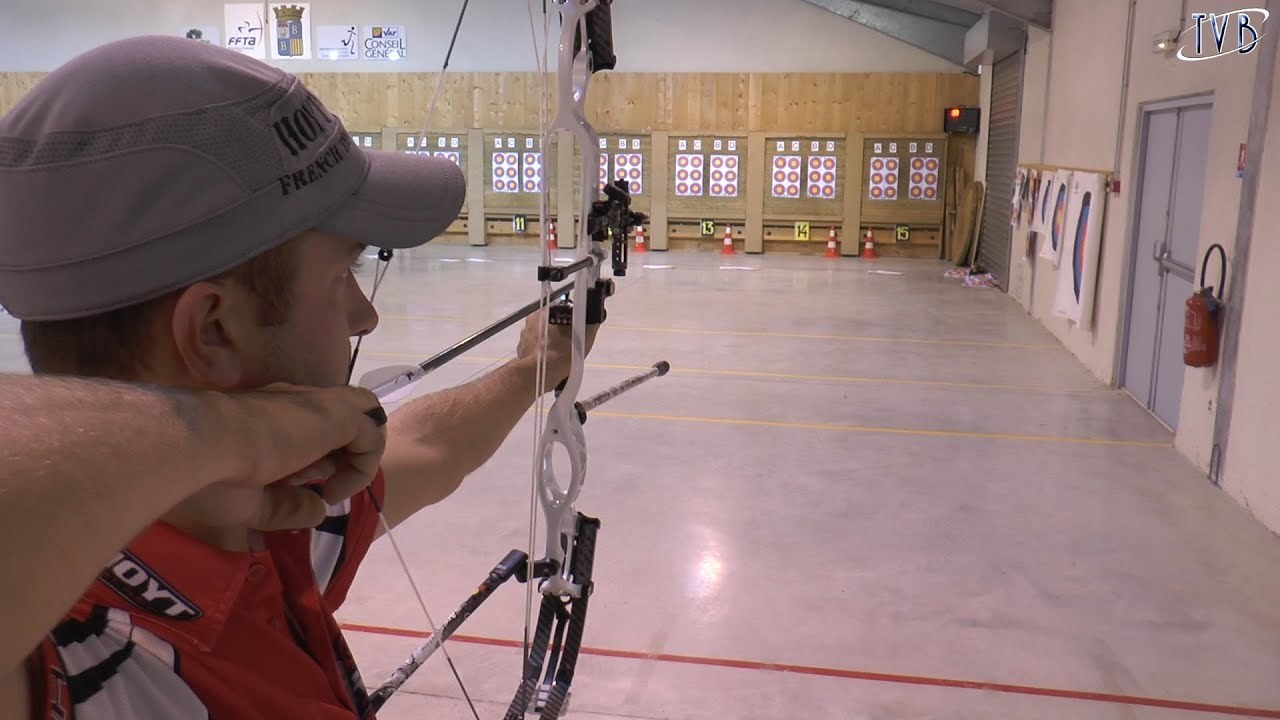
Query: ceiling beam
column 1030, row 12
column 932, row 10
column 937, row 37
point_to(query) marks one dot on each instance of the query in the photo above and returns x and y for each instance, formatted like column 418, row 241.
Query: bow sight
column 609, row 219
column 614, row 218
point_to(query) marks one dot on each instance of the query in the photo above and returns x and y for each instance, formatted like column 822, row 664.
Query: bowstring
column 542, row 61
column 380, row 273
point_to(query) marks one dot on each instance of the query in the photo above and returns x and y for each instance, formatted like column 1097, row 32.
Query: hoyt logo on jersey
column 298, row 132
column 140, row 585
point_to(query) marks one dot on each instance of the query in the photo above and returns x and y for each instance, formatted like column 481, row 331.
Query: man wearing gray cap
column 185, row 217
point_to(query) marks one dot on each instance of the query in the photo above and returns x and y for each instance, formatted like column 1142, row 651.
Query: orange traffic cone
column 869, row 247
column 728, row 241
column 551, row 235
column 831, row 252
column 640, row 246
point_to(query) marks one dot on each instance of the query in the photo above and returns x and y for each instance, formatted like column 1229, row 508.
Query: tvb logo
column 1218, row 35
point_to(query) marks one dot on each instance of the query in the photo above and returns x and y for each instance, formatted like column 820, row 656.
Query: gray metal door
column 1173, row 154
column 1002, row 164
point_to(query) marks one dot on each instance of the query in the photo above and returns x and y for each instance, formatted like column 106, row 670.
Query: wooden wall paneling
column 791, row 194
column 14, row 85
column 656, row 232
column 756, row 186
column 716, row 104
column 850, row 240
column 794, row 103
column 474, row 164
column 712, row 180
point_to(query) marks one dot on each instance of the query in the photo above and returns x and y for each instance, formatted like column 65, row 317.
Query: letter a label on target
column 882, row 183
column 786, row 176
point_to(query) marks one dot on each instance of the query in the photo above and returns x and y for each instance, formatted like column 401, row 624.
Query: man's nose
column 364, row 316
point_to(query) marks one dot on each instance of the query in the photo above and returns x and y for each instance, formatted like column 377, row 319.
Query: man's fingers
column 315, row 473
column 289, row 508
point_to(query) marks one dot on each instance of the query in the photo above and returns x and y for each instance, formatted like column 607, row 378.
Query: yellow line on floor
column 788, row 376
column 794, row 336
column 749, row 333
column 885, row 430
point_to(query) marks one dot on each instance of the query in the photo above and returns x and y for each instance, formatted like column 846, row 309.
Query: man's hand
column 559, row 346
column 302, row 448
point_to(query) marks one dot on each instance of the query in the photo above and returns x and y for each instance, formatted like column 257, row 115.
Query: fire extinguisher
column 1203, row 317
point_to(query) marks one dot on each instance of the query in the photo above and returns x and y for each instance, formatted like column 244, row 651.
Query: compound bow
column 563, row 573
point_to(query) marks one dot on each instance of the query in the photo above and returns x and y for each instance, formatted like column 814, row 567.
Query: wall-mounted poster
column 384, row 42
column 1054, row 208
column 1078, row 270
column 337, row 42
column 204, row 34
column 1015, row 205
column 290, row 31
column 245, row 28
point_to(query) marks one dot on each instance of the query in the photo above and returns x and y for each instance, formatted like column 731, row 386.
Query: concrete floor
column 856, row 496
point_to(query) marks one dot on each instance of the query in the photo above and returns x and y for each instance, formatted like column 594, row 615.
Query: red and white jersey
column 177, row 629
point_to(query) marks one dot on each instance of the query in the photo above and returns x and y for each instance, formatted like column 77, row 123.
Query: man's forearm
column 435, row 441
column 86, row 465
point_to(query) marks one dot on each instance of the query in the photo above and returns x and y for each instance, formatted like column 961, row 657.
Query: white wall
column 1031, row 130
column 1071, row 117
column 650, row 35
column 1249, row 473
column 1080, row 91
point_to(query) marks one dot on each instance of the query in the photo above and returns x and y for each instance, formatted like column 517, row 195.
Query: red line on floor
column 852, row 674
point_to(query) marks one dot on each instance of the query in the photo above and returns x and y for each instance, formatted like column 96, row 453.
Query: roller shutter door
column 1002, row 161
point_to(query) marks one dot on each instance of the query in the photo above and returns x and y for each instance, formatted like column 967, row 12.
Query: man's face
column 313, row 345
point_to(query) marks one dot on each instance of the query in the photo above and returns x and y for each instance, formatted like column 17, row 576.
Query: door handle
column 1161, row 251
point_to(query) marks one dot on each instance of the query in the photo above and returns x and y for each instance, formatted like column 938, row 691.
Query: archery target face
column 724, row 176
column 455, row 157
column 822, row 177
column 924, row 178
column 532, row 172
column 689, row 175
column 631, row 167
column 604, row 170
column 882, row 179
column 786, row 176
column 506, row 172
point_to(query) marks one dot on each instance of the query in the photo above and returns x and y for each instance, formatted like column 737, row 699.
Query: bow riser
column 563, row 427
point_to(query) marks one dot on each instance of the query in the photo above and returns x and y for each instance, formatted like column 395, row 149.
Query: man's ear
column 212, row 334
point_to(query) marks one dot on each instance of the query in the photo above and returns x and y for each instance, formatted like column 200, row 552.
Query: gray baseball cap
column 147, row 164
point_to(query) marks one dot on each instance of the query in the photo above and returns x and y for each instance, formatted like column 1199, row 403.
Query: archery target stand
column 704, row 189
column 902, row 187
column 515, row 172
column 804, row 187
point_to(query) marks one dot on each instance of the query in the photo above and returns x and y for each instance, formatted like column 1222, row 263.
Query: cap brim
column 405, row 201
